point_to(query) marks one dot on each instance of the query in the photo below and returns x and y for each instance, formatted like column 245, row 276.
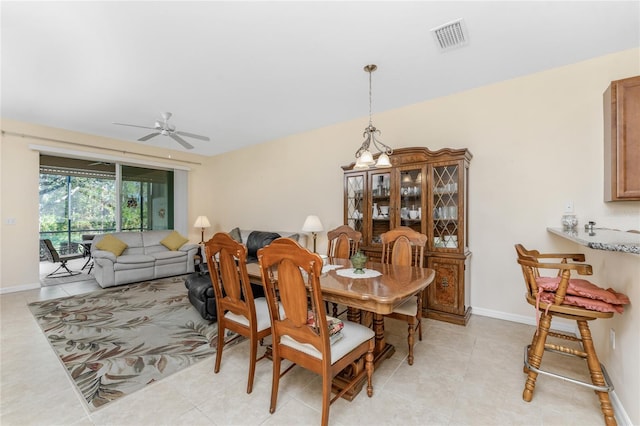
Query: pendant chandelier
column 364, row 157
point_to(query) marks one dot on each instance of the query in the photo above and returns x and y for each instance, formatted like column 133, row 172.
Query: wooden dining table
column 368, row 299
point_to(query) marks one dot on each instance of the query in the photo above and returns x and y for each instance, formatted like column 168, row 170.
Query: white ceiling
column 244, row 73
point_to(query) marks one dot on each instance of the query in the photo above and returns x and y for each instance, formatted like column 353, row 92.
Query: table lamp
column 312, row 224
column 202, row 222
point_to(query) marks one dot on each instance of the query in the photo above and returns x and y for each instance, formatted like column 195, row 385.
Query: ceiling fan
column 162, row 127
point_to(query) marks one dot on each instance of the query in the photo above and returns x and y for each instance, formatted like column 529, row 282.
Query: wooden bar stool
column 575, row 299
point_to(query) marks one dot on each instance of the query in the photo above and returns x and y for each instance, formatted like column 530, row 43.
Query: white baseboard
column 17, row 288
column 559, row 324
column 562, row 325
column 621, row 415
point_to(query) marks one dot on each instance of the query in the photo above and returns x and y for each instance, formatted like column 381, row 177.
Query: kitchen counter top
column 602, row 239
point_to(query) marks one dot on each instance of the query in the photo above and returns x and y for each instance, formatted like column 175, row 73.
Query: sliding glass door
column 80, row 197
column 146, row 199
column 76, row 197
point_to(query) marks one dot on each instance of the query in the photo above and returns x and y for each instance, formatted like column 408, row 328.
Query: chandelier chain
column 370, row 122
column 363, row 155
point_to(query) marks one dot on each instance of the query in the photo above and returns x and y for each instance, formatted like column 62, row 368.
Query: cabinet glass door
column 411, row 199
column 380, row 205
column 355, row 202
column 445, row 207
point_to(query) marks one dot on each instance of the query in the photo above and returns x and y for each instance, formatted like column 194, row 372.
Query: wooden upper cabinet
column 622, row 140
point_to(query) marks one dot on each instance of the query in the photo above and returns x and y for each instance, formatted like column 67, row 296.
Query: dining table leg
column 382, row 350
column 378, row 328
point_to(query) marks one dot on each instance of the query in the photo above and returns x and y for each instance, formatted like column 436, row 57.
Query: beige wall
column 536, row 141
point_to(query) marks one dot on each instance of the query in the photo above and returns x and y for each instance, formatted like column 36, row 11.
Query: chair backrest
column 529, row 260
column 344, row 242
column 291, row 275
column 227, row 263
column 50, row 251
column 403, row 246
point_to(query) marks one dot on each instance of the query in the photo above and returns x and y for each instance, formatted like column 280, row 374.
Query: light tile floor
column 461, row 376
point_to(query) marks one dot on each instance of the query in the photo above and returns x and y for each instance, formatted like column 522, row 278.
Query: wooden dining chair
column 291, row 276
column 344, row 242
column 575, row 299
column 237, row 310
column 405, row 247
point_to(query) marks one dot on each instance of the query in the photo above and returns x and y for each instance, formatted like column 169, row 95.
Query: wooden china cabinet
column 428, row 192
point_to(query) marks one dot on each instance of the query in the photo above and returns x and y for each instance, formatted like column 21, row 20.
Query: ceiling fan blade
column 180, row 141
column 149, row 136
column 192, row 135
column 134, row 125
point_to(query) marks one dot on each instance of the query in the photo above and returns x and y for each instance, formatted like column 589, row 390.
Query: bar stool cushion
column 584, row 294
column 583, row 302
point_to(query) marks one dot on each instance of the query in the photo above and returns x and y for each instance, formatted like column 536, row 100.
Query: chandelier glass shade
column 364, row 157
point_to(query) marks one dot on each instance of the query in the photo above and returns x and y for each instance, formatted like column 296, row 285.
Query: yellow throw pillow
column 112, row 244
column 174, row 241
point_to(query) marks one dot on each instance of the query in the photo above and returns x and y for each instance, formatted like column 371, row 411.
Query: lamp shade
column 312, row 224
column 367, row 158
column 360, row 165
column 202, row 222
column 383, row 161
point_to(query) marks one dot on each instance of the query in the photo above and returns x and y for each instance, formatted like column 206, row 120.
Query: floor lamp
column 312, row 224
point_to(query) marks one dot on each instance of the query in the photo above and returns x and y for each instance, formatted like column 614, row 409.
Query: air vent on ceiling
column 451, row 35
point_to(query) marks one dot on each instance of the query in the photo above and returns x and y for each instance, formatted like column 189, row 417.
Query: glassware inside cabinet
column 445, row 207
column 355, row 202
column 411, row 199
column 380, row 205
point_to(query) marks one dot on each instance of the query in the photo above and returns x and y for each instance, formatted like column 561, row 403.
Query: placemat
column 348, row 273
column 327, row 268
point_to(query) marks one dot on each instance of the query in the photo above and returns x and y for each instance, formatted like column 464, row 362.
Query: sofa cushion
column 131, row 239
column 257, row 240
column 112, row 244
column 133, row 261
column 174, row 241
column 168, row 257
column 134, row 258
column 295, row 237
column 235, row 234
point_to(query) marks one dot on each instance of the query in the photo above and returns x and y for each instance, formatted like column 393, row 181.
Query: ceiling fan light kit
column 164, row 128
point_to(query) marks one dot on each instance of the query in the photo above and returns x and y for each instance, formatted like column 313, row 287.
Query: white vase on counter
column 569, row 222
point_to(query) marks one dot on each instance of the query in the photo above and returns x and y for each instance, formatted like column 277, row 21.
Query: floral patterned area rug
column 115, row 341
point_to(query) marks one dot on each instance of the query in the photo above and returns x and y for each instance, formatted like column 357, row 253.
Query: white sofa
column 145, row 258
